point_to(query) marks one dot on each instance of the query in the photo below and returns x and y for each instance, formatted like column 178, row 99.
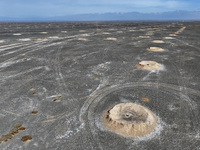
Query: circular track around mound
column 175, row 114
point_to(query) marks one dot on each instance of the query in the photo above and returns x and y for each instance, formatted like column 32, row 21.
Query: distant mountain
column 131, row 16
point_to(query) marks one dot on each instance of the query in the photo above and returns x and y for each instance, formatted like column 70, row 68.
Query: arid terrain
column 61, row 85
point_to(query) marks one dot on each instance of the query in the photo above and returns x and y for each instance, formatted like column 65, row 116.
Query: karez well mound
column 149, row 65
column 130, row 120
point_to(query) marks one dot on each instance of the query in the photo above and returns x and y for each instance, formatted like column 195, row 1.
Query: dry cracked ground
column 100, row 86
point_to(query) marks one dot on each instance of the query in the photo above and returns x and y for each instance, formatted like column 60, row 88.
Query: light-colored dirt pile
column 168, row 38
column 82, row 39
column 63, row 31
column 105, row 33
column 17, row 34
column 148, row 65
column 111, row 39
column 150, row 33
column 53, row 37
column 84, row 34
column 158, row 41
column 39, row 39
column 25, row 39
column 144, row 37
column 130, row 120
column 155, row 49
column 43, row 32
column 172, row 35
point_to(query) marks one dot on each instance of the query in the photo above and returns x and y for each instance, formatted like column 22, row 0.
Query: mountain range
column 180, row 15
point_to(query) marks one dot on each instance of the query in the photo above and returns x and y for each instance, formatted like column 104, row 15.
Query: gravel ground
column 57, row 79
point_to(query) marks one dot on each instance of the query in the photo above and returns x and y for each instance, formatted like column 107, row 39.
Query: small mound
column 82, row 39
column 81, row 30
column 2, row 41
column 26, row 138
column 53, row 37
column 168, row 38
column 43, row 32
column 39, row 39
column 172, row 35
column 84, row 35
column 150, row 33
column 144, row 37
column 17, row 34
column 111, row 39
column 130, row 120
column 158, row 41
column 25, row 39
column 148, row 65
column 155, row 49
column 105, row 33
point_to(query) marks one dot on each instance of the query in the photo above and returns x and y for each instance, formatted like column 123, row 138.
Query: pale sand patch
column 82, row 39
column 63, row 31
column 84, row 35
column 168, row 38
column 53, row 37
column 43, row 32
column 119, row 31
column 130, row 120
column 2, row 41
column 157, row 41
column 149, row 65
column 105, row 33
column 41, row 39
column 111, row 39
column 144, row 37
column 112, row 29
column 150, row 33
column 81, row 30
column 172, row 35
column 131, row 30
column 17, row 34
column 155, row 49
column 25, row 39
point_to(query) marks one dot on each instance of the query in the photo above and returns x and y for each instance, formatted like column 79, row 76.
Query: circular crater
column 149, row 65
column 130, row 120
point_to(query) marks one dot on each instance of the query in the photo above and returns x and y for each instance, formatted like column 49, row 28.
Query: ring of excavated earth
column 129, row 120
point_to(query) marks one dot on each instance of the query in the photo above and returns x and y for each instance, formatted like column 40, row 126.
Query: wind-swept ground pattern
column 58, row 79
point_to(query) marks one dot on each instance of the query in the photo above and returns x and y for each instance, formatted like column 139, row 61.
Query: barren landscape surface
column 61, row 85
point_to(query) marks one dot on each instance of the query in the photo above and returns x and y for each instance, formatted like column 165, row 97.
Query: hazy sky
column 47, row 8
